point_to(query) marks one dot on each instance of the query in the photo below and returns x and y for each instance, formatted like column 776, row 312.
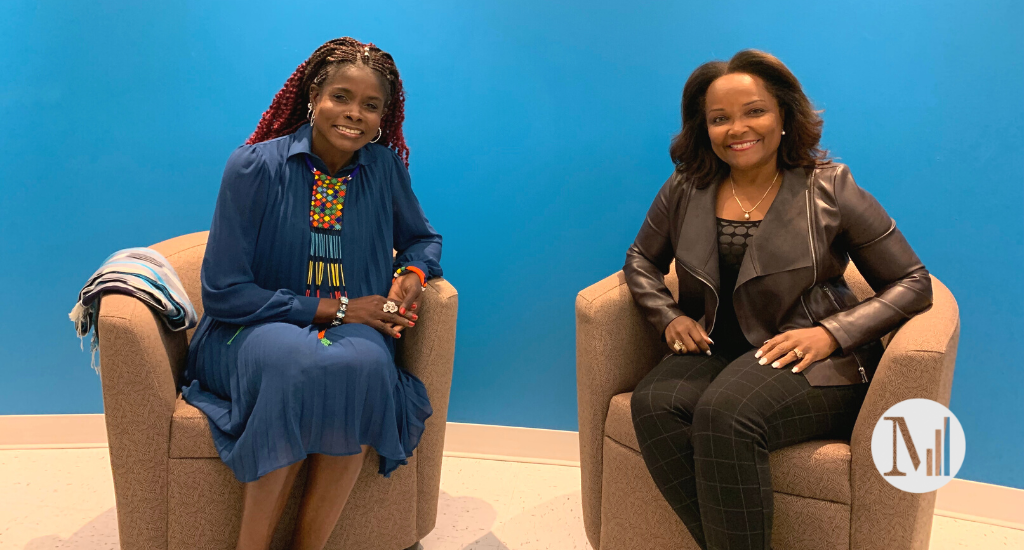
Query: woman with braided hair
column 293, row 360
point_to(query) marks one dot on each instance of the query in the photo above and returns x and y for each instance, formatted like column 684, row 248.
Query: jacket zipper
column 704, row 279
column 831, row 296
column 807, row 310
column 863, row 375
column 814, row 256
column 814, row 265
column 810, row 239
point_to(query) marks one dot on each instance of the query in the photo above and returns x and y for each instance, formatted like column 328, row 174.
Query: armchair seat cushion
column 190, row 433
column 817, row 469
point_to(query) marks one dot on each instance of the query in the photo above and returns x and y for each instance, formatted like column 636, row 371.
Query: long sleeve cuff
column 664, row 317
column 846, row 343
column 302, row 310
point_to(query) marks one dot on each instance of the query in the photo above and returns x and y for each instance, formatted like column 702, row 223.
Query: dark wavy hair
column 289, row 109
column 691, row 149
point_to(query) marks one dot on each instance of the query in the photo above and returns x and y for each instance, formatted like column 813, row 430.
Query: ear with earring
column 311, row 115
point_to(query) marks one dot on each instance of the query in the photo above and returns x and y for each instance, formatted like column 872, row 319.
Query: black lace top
column 733, row 236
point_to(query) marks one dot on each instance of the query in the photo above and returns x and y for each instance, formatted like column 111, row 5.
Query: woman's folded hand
column 369, row 310
column 684, row 335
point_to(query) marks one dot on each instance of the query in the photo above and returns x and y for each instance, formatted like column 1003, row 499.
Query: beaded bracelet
column 339, row 317
column 419, row 273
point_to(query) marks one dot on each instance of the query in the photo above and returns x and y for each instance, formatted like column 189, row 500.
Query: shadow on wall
column 100, row 533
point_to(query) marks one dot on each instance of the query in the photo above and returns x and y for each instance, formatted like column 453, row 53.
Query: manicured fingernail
column 758, row 354
column 399, row 335
column 775, row 365
column 762, row 361
column 794, row 370
column 414, row 306
column 415, row 317
column 708, row 352
column 412, row 324
column 401, row 310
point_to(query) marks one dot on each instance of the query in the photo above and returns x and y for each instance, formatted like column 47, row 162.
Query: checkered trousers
column 706, row 425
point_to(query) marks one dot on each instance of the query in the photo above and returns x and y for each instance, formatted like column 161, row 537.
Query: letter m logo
column 899, row 424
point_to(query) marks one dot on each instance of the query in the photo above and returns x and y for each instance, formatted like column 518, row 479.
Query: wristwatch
column 339, row 317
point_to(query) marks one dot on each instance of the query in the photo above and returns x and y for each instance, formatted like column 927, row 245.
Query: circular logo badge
column 918, row 445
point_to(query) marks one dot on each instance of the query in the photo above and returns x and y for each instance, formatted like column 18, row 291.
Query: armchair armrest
column 615, row 348
column 137, row 352
column 428, row 352
column 918, row 363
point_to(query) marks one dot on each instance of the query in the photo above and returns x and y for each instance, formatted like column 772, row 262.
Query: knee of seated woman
column 368, row 361
column 304, row 368
column 668, row 396
column 725, row 412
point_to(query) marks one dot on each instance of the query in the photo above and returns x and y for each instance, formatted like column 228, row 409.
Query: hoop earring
column 379, row 134
column 309, row 113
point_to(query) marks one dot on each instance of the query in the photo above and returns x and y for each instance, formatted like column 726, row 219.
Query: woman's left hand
column 814, row 344
column 406, row 290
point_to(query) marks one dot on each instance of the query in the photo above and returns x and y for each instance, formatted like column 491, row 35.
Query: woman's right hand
column 689, row 334
column 368, row 310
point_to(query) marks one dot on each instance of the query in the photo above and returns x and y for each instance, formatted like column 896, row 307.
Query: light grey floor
column 64, row 499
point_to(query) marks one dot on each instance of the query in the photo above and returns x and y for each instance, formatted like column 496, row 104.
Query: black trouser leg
column 662, row 407
column 747, row 411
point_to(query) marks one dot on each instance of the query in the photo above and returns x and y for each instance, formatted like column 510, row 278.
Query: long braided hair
column 289, row 109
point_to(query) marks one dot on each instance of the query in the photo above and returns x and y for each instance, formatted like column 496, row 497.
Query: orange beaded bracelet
column 419, row 273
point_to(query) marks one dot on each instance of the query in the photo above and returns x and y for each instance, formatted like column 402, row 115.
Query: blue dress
column 272, row 391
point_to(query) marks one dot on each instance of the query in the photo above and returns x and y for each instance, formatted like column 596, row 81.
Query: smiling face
column 348, row 108
column 744, row 121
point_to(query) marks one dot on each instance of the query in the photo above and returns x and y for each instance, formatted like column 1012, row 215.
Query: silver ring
column 799, row 354
column 390, row 307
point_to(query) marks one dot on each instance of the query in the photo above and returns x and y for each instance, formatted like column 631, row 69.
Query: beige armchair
column 174, row 493
column 828, row 494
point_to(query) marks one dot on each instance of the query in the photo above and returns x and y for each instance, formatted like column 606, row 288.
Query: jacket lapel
column 697, row 244
column 782, row 241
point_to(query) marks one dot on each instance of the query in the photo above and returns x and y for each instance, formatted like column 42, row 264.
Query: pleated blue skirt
column 274, row 394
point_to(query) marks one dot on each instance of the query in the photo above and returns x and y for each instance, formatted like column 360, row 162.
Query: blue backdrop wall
column 539, row 135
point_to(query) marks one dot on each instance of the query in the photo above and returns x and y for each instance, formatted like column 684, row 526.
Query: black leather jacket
column 792, row 273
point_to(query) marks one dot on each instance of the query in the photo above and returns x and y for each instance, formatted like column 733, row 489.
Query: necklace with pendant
column 746, row 213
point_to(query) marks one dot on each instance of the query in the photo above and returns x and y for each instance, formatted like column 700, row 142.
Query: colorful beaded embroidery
column 325, row 263
column 325, row 207
column 326, row 274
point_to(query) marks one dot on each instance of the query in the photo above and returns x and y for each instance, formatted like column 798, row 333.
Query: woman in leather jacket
column 769, row 345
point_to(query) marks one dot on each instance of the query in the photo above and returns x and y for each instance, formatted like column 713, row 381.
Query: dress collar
column 302, row 140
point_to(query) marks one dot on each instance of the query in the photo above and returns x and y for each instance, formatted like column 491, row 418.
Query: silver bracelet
column 339, row 317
